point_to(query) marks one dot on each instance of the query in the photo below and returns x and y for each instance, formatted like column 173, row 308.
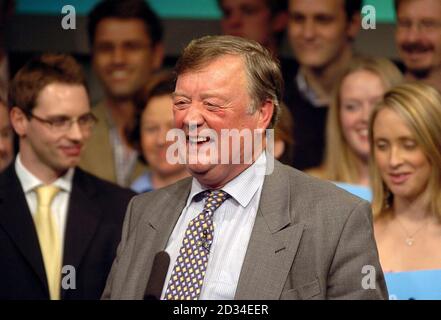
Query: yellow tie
column 49, row 238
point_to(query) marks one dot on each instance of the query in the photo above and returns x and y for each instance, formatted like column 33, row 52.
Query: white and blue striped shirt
column 233, row 223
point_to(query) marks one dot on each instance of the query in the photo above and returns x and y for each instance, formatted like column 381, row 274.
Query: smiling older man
column 238, row 230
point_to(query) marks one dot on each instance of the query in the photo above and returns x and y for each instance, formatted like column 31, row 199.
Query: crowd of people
column 369, row 125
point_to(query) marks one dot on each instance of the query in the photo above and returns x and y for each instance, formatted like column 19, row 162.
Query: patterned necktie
column 50, row 244
column 188, row 273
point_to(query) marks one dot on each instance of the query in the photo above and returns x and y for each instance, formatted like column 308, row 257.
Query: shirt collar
column 306, row 91
column 29, row 182
column 243, row 187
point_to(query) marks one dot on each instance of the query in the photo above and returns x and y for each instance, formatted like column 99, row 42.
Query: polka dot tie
column 188, row 273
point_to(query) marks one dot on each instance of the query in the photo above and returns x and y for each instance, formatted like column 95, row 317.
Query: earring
column 387, row 198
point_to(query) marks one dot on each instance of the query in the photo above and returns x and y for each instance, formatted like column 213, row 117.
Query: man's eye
column 297, row 18
column 59, row 122
column 211, row 105
column 404, row 24
column 104, row 48
column 324, row 19
column 86, row 119
column 249, row 11
column 180, row 105
column 133, row 46
column 226, row 12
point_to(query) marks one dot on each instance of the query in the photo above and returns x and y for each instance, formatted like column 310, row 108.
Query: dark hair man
column 125, row 38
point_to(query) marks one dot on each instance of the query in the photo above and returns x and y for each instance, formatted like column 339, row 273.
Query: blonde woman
column 361, row 86
column 405, row 134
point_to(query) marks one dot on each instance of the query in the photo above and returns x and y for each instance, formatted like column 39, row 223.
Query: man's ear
column 19, row 121
column 157, row 55
column 265, row 114
column 354, row 24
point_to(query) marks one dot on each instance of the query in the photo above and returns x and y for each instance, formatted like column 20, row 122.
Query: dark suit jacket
column 310, row 240
column 309, row 123
column 93, row 231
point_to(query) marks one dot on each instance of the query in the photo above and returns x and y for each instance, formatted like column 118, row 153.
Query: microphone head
column 158, row 274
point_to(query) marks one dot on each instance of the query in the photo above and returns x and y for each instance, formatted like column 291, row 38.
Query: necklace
column 410, row 237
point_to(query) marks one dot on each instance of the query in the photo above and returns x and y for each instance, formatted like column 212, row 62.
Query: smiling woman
column 360, row 87
column 405, row 135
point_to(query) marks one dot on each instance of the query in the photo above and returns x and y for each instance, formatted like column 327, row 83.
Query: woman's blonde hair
column 340, row 159
column 419, row 105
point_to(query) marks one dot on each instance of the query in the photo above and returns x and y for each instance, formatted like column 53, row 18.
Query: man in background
column 263, row 21
column 125, row 38
column 418, row 39
column 321, row 33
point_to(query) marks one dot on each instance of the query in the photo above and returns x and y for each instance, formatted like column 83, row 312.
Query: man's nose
column 75, row 132
column 118, row 55
column 309, row 29
column 193, row 117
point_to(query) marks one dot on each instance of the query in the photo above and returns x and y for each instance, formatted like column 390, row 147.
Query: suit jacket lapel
column 16, row 220
column 84, row 215
column 160, row 222
column 273, row 244
column 165, row 222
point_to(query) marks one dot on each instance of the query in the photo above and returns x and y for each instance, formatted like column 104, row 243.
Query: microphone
column 157, row 276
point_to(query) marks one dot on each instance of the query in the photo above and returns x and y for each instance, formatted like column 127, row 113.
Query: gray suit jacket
column 310, row 240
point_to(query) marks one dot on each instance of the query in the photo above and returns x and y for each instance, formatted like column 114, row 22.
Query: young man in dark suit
column 59, row 226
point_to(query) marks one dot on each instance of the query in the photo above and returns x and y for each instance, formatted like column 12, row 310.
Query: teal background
column 187, row 9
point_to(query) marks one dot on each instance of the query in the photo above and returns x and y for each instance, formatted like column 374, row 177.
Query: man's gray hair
column 265, row 80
